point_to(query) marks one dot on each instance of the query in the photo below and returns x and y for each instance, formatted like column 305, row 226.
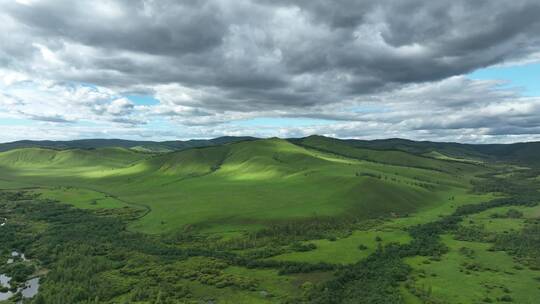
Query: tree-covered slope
column 393, row 156
column 518, row 153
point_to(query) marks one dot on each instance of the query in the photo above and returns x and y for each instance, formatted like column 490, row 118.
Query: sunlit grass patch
column 347, row 250
column 471, row 273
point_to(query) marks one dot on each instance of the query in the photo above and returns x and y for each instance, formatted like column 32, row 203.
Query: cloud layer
column 369, row 68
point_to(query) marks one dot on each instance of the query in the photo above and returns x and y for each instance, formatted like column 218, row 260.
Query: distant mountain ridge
column 144, row 146
column 526, row 153
column 520, row 153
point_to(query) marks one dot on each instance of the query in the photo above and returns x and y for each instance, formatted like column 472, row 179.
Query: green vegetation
column 264, row 181
column 438, row 155
column 81, row 198
column 313, row 220
column 476, row 275
column 346, row 250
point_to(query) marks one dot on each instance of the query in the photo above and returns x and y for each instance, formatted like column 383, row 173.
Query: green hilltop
column 247, row 184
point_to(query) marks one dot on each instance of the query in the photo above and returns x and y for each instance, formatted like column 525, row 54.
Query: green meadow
column 347, row 250
column 471, row 273
column 242, row 185
column 81, row 198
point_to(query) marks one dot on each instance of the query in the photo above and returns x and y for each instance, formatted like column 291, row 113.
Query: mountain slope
column 253, row 183
column 74, row 158
column 347, row 148
column 249, row 183
column 518, row 153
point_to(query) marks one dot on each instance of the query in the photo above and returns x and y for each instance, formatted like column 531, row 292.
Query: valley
column 312, row 220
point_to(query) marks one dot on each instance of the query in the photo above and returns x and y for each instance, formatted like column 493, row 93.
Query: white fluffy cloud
column 62, row 102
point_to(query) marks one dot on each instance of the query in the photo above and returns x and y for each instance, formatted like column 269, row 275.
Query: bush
column 506, row 298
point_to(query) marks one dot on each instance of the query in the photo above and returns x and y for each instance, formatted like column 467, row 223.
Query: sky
column 446, row 70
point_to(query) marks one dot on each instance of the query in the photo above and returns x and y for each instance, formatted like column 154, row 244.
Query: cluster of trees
column 524, row 244
column 92, row 258
column 300, row 247
column 510, row 213
column 291, row 232
column 18, row 272
column 376, row 279
column 528, row 200
column 285, row 267
column 373, row 280
column 473, row 233
column 84, row 253
column 520, row 191
column 417, row 183
column 368, row 174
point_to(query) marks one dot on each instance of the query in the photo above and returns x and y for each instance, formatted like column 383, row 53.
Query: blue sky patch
column 525, row 77
column 143, row 100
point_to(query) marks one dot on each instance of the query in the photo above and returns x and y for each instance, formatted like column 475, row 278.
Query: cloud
column 117, row 107
column 389, row 66
column 65, row 102
column 57, row 118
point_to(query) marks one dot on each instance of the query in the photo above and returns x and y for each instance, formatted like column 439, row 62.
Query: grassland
column 81, row 198
column 438, row 155
column 242, row 185
column 347, row 250
column 470, row 273
column 241, row 222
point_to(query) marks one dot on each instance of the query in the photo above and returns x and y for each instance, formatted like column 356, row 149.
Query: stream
column 30, row 288
column 4, row 282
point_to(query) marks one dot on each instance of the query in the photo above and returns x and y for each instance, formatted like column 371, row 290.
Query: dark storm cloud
column 162, row 27
column 268, row 52
column 216, row 60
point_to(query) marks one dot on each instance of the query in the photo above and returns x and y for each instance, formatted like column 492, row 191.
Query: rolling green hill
column 517, row 153
column 247, row 184
column 388, row 156
column 71, row 158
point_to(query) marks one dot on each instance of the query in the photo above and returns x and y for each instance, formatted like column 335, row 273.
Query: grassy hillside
column 246, row 184
column 441, row 156
column 266, row 180
column 72, row 158
column 390, row 156
column 518, row 153
column 458, row 150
